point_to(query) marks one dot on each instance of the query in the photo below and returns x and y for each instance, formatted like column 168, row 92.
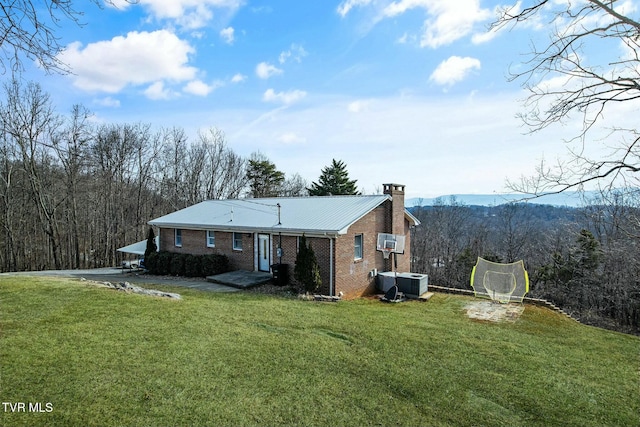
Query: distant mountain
column 567, row 199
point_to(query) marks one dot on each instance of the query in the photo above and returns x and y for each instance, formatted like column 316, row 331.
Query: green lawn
column 102, row 357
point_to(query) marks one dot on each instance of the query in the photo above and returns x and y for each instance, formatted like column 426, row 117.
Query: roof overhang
column 246, row 229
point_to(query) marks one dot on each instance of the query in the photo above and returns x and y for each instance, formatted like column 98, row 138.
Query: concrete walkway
column 131, row 276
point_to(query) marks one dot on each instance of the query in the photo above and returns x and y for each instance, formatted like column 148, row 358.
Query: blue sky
column 407, row 91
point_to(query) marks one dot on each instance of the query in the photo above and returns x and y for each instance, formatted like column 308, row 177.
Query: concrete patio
column 241, row 279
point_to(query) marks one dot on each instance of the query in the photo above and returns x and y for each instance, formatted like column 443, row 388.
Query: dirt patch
column 494, row 312
column 271, row 289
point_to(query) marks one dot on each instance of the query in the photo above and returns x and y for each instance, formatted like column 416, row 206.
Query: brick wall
column 353, row 276
column 321, row 248
column 195, row 242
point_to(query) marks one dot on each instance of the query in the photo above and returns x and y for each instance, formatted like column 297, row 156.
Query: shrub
column 307, row 271
column 176, row 266
column 150, row 261
column 214, row 264
column 162, row 263
column 193, row 265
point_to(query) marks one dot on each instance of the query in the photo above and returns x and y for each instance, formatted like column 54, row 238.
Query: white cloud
column 135, row 59
column 200, row 88
column 291, row 138
column 446, row 20
column 487, row 36
column 191, row 14
column 358, row 106
column 344, row 7
column 238, row 78
column 285, row 98
column 227, row 35
column 454, row 69
column 264, row 70
column 157, row 91
column 295, row 52
column 107, row 102
column 118, row 4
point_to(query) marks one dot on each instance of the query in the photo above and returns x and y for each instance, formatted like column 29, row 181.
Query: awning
column 136, row 248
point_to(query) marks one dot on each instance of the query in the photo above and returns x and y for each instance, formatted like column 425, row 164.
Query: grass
column 102, row 357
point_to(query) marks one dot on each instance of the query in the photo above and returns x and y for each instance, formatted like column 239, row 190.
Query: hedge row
column 165, row 263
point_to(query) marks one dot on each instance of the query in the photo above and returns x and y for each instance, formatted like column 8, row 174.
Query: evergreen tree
column 307, row 270
column 334, row 180
column 264, row 179
column 151, row 243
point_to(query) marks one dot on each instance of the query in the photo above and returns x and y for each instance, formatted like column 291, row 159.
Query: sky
column 414, row 92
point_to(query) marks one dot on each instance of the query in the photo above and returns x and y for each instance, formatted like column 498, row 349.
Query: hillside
column 101, row 357
column 564, row 199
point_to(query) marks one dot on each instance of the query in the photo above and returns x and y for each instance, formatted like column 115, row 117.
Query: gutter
column 245, row 229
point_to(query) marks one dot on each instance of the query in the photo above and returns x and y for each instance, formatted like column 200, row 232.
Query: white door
column 263, row 252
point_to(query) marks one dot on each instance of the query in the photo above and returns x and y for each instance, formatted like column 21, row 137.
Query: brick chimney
column 395, row 218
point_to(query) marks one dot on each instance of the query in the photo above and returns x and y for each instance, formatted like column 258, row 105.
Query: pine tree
column 307, row 270
column 264, row 179
column 151, row 243
column 334, row 180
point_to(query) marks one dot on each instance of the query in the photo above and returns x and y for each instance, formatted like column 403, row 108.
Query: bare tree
column 565, row 81
column 515, row 230
column 71, row 145
column 173, row 166
column 28, row 31
column 29, row 120
column 227, row 176
column 295, row 186
column 437, row 246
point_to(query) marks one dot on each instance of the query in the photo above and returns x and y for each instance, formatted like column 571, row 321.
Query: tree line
column 586, row 260
column 72, row 191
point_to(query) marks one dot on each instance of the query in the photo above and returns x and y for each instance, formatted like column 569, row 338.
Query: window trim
column 210, row 237
column 235, row 247
column 356, row 246
column 177, row 237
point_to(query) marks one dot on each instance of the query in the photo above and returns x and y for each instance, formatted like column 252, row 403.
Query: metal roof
column 137, row 248
column 329, row 215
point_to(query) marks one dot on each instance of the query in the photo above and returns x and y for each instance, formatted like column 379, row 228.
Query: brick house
column 256, row 233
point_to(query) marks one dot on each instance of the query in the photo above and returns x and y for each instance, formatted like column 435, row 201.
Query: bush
column 193, row 266
column 164, row 262
column 176, row 266
column 214, row 264
column 150, row 261
column 307, row 270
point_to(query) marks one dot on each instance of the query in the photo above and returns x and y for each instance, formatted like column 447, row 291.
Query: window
column 357, row 252
column 178, row 238
column 237, row 241
column 211, row 239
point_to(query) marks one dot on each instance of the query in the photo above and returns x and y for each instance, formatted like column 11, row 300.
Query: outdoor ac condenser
column 412, row 284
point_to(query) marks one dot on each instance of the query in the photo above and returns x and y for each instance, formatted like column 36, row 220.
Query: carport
column 137, row 249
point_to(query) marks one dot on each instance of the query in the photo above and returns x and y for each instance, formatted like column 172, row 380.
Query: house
column 256, row 233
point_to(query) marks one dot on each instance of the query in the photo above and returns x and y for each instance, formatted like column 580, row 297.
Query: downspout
column 331, row 266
